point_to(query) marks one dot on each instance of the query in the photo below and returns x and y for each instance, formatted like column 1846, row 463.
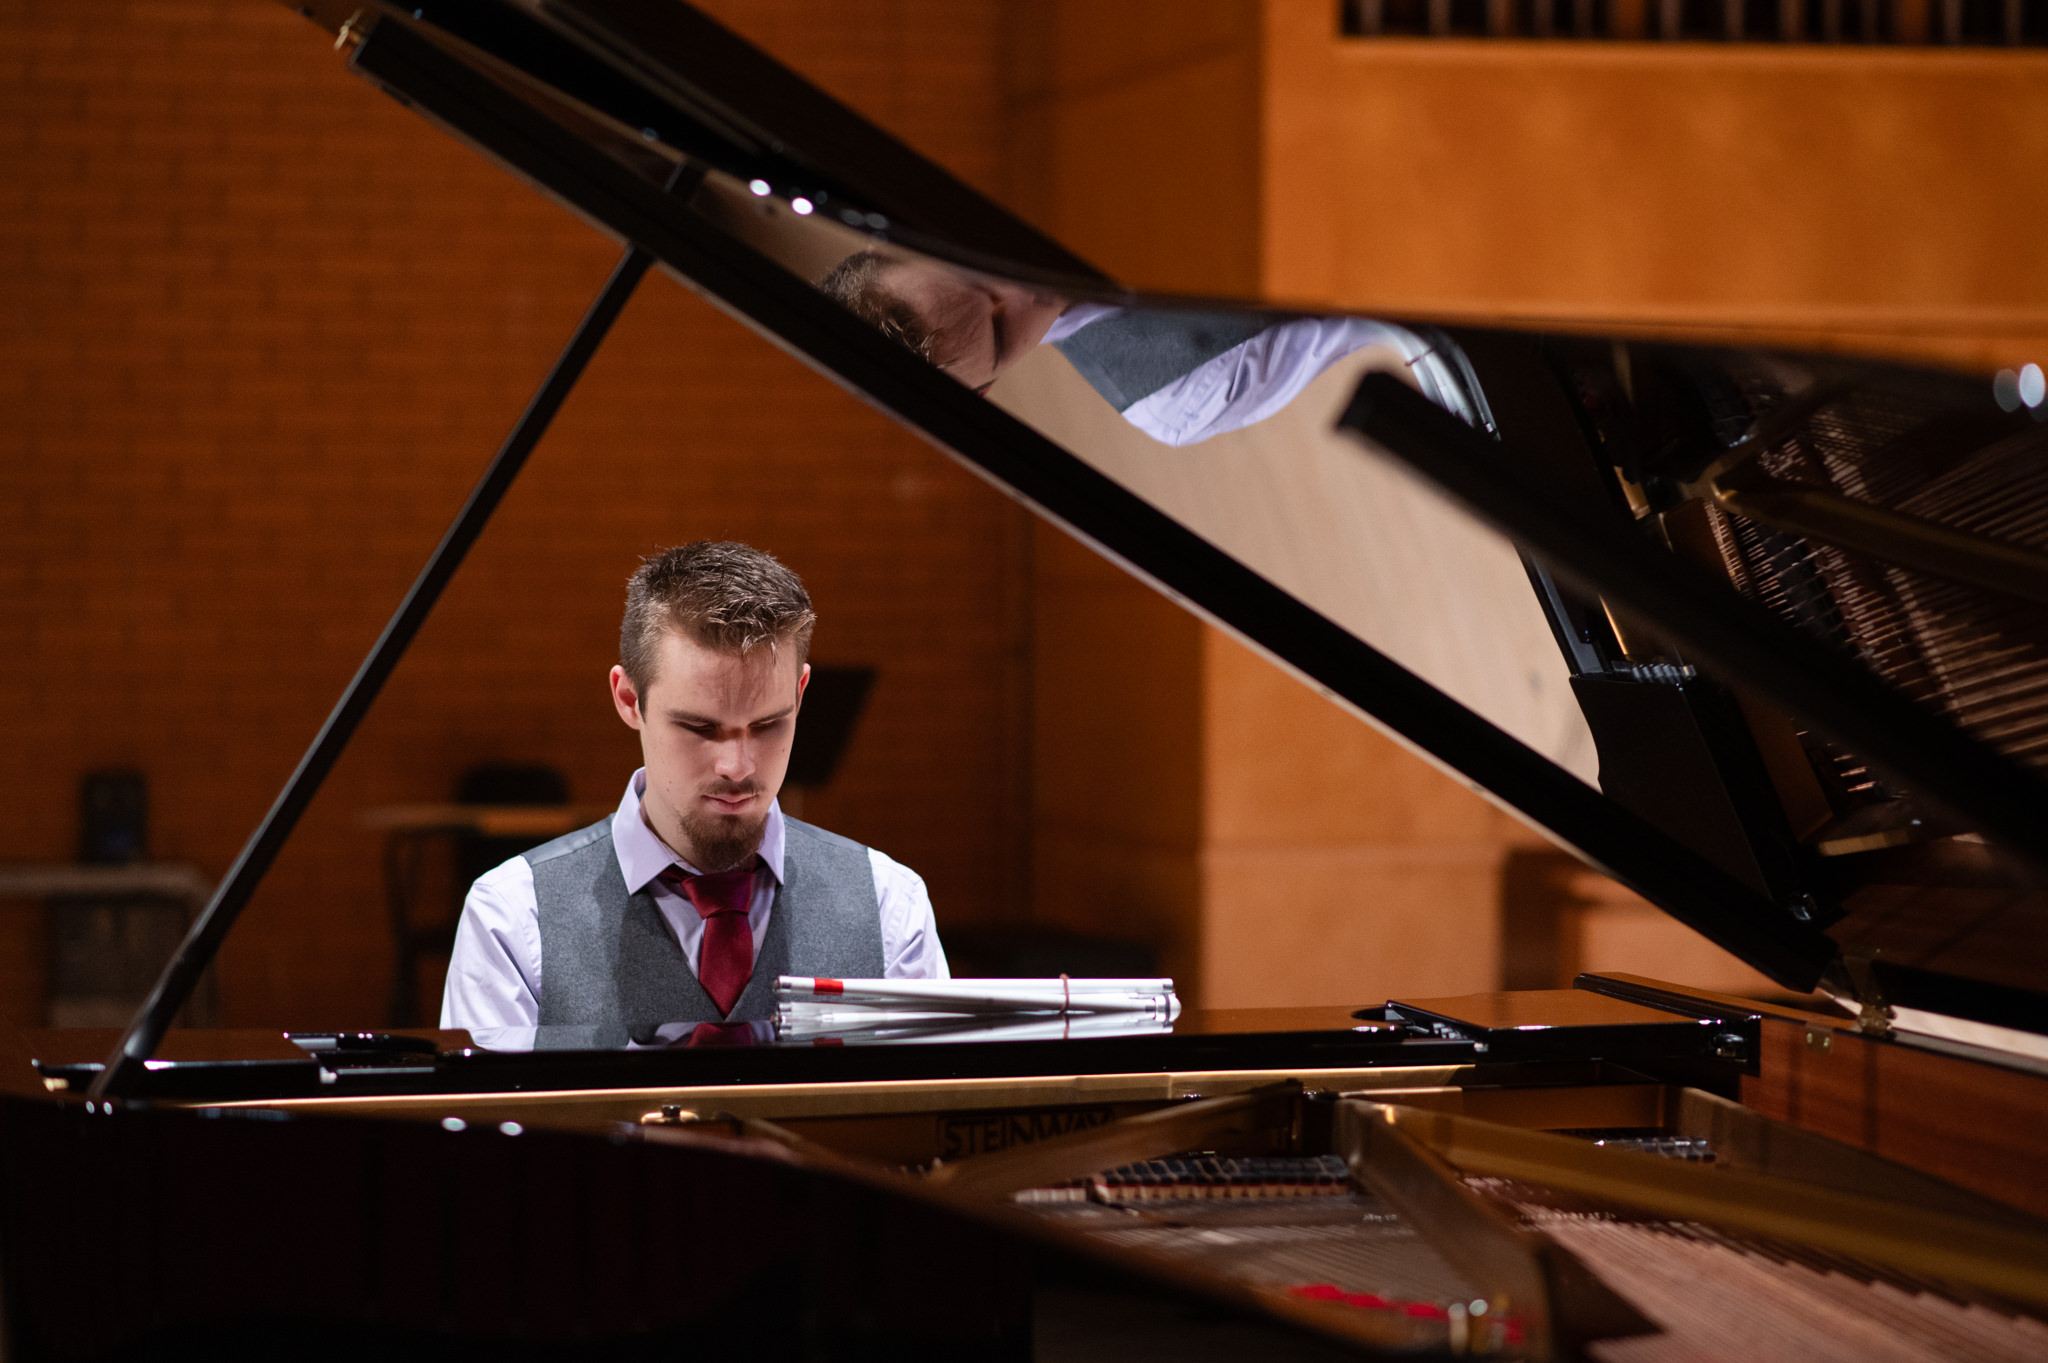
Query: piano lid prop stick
column 138, row 1042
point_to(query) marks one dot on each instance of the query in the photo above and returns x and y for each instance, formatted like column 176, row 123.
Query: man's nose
column 736, row 759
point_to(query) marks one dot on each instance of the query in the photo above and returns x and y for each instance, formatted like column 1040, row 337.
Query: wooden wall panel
column 1117, row 774
column 1337, row 867
column 1883, row 199
column 1133, row 135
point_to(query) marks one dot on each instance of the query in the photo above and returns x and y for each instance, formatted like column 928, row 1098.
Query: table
column 68, row 889
column 408, row 831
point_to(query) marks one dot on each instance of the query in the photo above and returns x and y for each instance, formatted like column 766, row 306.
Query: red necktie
column 725, row 958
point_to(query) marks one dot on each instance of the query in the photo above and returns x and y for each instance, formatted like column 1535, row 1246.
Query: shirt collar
column 642, row 856
column 1074, row 318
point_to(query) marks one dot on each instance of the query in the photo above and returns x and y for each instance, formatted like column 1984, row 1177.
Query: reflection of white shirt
column 494, row 973
column 1248, row 382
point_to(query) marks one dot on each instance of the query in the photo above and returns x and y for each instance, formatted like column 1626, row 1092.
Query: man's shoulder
column 601, row 831
column 796, row 830
column 504, row 888
column 890, row 874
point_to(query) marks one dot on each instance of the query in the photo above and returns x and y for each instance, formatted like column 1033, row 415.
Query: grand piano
column 1759, row 635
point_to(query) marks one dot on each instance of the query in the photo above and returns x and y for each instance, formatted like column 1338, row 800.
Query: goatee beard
column 724, row 842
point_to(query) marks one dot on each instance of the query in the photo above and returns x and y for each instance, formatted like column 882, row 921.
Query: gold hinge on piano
column 348, row 32
column 1857, row 980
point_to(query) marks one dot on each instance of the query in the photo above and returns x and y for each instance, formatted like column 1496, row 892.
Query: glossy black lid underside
column 551, row 88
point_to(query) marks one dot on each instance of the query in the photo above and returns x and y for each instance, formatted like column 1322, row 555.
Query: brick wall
column 262, row 330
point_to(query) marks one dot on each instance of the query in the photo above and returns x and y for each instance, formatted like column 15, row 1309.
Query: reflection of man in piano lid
column 971, row 326
column 1180, row 376
column 686, row 904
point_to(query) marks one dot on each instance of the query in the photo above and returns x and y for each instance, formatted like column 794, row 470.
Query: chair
column 476, row 850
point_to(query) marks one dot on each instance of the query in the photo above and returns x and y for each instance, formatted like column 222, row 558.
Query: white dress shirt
column 494, row 974
column 1252, row 380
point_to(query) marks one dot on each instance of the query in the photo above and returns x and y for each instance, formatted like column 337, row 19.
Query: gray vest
column 1134, row 354
column 609, row 961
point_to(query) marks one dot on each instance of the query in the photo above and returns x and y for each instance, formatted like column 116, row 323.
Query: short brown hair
column 729, row 597
column 855, row 283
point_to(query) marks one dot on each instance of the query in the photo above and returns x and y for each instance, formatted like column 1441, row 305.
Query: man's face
column 715, row 731
column 980, row 327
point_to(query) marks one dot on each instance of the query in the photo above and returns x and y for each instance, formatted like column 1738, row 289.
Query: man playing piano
column 680, row 909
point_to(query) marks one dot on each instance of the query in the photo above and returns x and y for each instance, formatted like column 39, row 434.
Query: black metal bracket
column 1588, row 551
column 139, row 1041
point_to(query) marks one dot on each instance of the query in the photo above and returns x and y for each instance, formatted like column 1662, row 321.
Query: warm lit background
column 263, row 328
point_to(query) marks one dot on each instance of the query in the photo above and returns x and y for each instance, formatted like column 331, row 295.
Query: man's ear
column 803, row 679
column 626, row 698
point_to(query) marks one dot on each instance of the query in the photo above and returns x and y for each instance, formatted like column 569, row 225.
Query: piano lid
column 1760, row 635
